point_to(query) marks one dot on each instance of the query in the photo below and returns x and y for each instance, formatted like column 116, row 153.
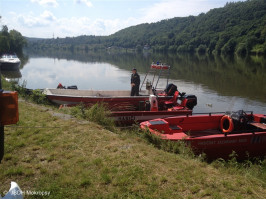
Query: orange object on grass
column 8, row 108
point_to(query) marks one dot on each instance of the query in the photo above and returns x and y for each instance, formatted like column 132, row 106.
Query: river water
column 220, row 84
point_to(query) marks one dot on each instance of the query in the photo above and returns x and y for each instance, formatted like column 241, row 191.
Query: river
column 220, row 83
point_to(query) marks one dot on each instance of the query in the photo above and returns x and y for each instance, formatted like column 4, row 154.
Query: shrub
column 98, row 113
column 38, row 97
column 178, row 147
column 21, row 89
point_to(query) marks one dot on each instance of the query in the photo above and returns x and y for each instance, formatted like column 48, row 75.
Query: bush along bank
column 35, row 96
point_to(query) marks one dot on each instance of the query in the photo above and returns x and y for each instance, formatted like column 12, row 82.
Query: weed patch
column 35, row 96
column 97, row 113
column 178, row 147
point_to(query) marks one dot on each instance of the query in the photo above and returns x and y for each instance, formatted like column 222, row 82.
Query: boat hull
column 203, row 135
column 115, row 100
column 9, row 62
column 132, row 117
column 245, row 145
column 9, row 66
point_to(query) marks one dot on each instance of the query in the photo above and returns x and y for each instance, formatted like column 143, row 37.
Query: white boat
column 9, row 62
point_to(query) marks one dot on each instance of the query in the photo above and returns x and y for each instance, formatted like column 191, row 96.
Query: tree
column 202, row 49
column 4, row 44
column 4, row 31
column 17, row 41
column 229, row 47
column 11, row 41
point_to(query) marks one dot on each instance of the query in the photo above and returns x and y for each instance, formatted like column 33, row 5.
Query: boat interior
column 92, row 93
column 197, row 126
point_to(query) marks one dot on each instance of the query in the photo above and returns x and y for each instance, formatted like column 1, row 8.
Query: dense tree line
column 238, row 27
column 11, row 41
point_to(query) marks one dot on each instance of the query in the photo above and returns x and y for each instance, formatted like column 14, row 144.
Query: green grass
column 83, row 160
column 97, row 113
column 73, row 158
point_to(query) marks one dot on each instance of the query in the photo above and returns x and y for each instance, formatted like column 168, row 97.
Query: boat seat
column 158, row 122
column 175, row 108
column 172, row 101
column 176, row 128
column 258, row 125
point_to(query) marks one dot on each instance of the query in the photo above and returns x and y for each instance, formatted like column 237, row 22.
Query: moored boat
column 216, row 135
column 120, row 100
column 116, row 100
column 179, row 104
column 9, row 62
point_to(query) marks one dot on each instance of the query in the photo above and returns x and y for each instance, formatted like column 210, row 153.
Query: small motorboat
column 9, row 62
column 120, row 100
column 216, row 135
column 179, row 104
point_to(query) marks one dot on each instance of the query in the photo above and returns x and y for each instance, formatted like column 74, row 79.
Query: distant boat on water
column 9, row 62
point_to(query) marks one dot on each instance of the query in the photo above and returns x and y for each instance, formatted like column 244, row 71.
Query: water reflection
column 12, row 76
column 227, row 76
column 220, row 83
column 47, row 73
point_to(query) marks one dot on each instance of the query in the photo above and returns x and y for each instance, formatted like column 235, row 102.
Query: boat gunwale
column 48, row 92
column 102, row 97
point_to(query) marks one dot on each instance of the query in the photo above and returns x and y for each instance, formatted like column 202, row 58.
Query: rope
column 13, row 126
column 50, row 127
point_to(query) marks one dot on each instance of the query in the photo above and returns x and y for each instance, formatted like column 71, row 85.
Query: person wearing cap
column 135, row 82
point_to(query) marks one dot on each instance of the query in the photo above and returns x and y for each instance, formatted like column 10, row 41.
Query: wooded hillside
column 238, row 27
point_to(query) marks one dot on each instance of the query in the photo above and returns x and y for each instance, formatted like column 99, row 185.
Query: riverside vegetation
column 79, row 158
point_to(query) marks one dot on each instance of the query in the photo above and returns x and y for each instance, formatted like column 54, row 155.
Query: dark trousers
column 135, row 90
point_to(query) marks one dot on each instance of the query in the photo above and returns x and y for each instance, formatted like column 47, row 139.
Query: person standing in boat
column 135, row 82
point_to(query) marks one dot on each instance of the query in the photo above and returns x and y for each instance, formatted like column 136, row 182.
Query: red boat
column 151, row 110
column 120, row 100
column 217, row 135
column 179, row 104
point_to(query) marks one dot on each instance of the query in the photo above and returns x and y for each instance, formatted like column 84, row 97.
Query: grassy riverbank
column 75, row 158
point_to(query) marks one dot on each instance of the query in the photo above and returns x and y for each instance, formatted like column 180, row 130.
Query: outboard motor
column 188, row 101
column 73, row 87
column 170, row 89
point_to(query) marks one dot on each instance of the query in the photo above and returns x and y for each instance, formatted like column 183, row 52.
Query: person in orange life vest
column 60, row 86
column 135, row 82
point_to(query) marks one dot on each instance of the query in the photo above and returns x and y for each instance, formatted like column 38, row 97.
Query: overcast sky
column 67, row 18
